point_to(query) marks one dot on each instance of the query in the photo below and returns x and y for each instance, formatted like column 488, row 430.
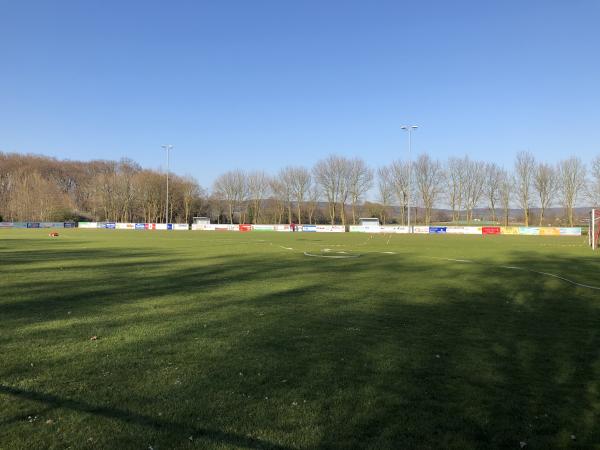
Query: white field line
column 547, row 274
column 330, row 256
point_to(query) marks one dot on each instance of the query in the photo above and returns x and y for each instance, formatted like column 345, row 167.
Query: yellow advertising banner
column 549, row 231
column 509, row 230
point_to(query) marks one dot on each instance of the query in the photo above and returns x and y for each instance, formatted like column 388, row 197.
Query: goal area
column 594, row 232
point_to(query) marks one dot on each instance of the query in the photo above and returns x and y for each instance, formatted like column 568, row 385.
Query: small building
column 368, row 221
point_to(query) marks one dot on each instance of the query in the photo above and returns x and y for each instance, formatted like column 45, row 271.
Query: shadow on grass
column 53, row 401
column 420, row 355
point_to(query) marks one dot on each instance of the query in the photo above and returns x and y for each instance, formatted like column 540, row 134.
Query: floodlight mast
column 168, row 148
column 409, row 129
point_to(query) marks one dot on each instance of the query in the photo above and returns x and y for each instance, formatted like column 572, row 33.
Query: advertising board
column 437, row 230
column 509, row 230
column 331, row 228
column 87, row 225
column 308, row 228
column 490, row 230
column 420, row 229
column 570, row 231
column 263, row 227
column 529, row 231
column 549, row 231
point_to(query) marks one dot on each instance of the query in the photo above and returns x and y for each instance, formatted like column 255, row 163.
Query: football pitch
column 160, row 340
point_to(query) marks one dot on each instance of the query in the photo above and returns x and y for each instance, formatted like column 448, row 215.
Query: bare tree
column 385, row 188
column 505, row 191
column 191, row 191
column 475, row 177
column 232, row 188
column 286, row 178
column 428, row 176
column 301, row 181
column 524, row 170
column 314, row 195
column 571, row 181
column 332, row 176
column 258, row 190
column 545, row 185
column 455, row 176
column 360, row 181
column 399, row 178
column 492, row 187
column 280, row 197
column 594, row 184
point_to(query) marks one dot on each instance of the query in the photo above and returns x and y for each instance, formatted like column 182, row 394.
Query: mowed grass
column 239, row 340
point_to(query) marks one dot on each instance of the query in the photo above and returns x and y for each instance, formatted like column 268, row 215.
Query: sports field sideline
column 206, row 340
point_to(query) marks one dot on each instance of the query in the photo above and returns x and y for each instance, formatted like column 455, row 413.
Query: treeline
column 39, row 188
column 334, row 190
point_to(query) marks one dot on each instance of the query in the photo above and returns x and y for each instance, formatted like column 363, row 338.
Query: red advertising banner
column 245, row 227
column 490, row 230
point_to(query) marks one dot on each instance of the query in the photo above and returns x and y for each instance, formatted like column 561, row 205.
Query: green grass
column 226, row 340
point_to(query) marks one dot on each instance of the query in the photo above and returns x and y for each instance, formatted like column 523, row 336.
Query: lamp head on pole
column 409, row 127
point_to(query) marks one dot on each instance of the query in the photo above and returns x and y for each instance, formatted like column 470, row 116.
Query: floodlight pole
column 409, row 129
column 167, row 147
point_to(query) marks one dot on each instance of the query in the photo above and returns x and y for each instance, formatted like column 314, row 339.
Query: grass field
column 229, row 340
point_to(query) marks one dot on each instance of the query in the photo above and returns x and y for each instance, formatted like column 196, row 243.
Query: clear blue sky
column 261, row 84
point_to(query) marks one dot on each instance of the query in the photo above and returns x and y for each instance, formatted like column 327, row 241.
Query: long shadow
column 182, row 429
column 475, row 356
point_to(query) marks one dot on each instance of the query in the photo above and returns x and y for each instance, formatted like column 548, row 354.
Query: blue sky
column 261, row 84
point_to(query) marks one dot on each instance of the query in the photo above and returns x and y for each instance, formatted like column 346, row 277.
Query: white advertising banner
column 472, row 230
column 160, row 226
column 357, row 229
column 420, row 229
column 282, row 227
column 455, row 230
column 263, row 227
column 331, row 229
column 203, row 227
column 397, row 229
column 181, row 227
column 570, row 231
column 87, row 225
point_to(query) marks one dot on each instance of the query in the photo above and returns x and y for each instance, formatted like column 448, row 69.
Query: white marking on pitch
column 286, row 248
column 547, row 274
column 330, row 256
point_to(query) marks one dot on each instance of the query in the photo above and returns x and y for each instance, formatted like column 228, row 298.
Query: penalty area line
column 547, row 274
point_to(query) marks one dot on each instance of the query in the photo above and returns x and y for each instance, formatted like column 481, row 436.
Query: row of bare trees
column 335, row 190
column 463, row 185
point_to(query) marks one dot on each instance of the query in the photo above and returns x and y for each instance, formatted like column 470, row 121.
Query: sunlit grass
column 225, row 340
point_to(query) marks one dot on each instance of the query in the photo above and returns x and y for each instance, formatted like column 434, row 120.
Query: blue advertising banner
column 33, row 224
column 70, row 225
column 309, row 228
column 110, row 225
column 140, row 226
column 437, row 230
column 169, row 226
